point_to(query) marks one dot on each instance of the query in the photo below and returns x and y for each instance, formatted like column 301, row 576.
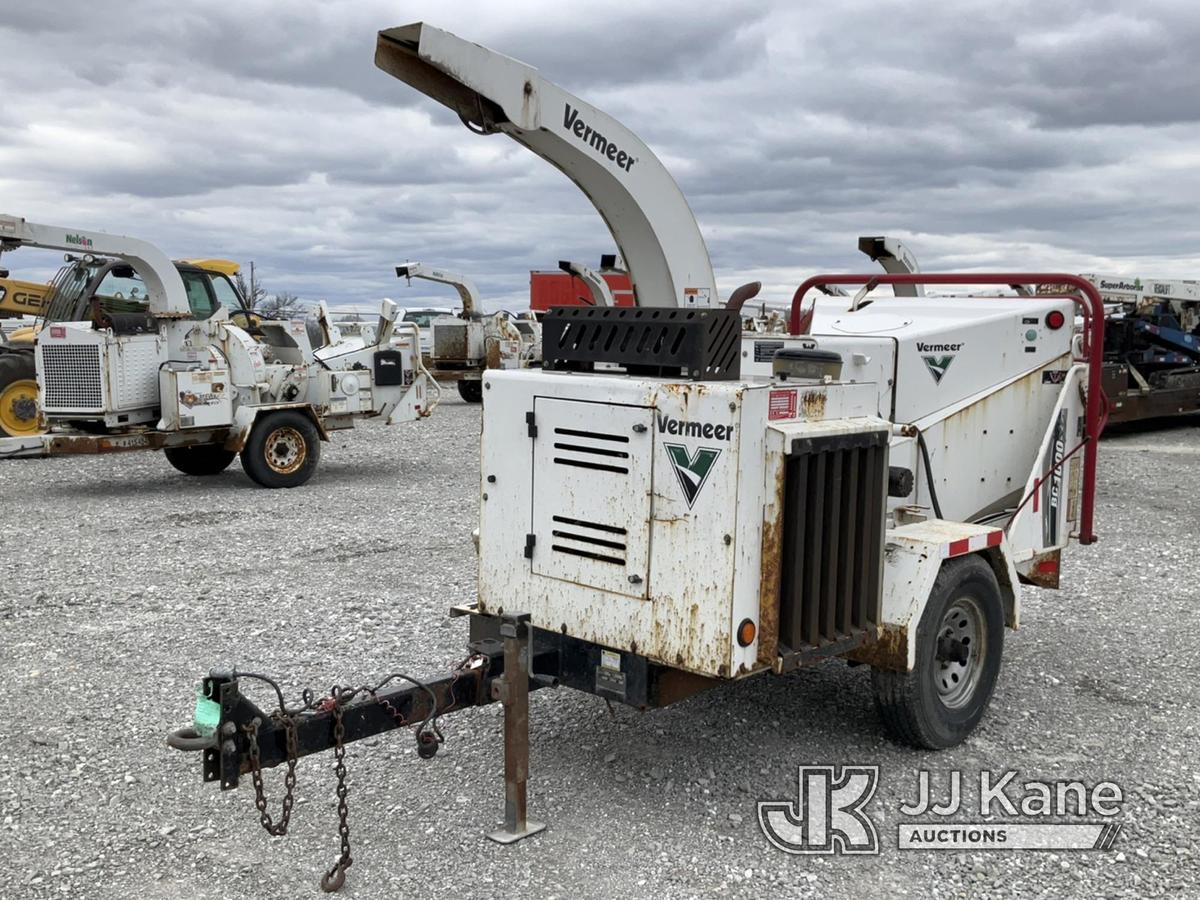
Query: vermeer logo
column 706, row 430
column 595, row 139
column 691, row 468
column 937, row 365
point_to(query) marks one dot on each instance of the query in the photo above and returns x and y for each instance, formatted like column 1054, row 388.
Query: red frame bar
column 1093, row 348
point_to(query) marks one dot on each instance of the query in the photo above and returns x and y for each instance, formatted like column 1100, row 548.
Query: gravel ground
column 124, row 583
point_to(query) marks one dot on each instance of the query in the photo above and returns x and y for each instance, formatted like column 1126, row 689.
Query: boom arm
column 164, row 287
column 461, row 283
column 631, row 189
column 601, row 292
column 896, row 259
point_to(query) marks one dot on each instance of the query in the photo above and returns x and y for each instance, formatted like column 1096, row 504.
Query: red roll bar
column 1093, row 348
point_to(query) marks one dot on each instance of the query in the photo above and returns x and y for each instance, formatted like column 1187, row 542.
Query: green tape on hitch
column 207, row 715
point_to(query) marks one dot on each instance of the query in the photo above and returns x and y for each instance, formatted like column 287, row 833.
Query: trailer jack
column 512, row 690
column 236, row 737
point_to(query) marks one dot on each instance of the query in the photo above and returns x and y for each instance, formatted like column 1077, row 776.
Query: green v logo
column 691, row 470
column 937, row 365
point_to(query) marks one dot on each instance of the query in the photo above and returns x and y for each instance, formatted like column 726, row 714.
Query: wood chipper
column 193, row 373
column 466, row 343
column 670, row 506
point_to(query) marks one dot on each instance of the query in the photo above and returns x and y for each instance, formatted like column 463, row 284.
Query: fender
column 913, row 556
column 244, row 418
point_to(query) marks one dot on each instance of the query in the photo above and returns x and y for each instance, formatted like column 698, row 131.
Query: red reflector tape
column 972, row 544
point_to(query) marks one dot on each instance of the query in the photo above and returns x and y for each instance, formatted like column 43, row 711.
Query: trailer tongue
column 670, row 506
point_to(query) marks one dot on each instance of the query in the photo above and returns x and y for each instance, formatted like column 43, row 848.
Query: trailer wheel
column 18, row 395
column 283, row 450
column 959, row 643
column 207, row 459
column 471, row 391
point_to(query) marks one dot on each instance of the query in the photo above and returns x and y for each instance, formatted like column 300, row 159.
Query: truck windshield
column 66, row 292
column 227, row 294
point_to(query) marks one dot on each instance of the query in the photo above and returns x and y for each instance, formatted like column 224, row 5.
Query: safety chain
column 289, row 779
column 428, row 736
column 334, row 879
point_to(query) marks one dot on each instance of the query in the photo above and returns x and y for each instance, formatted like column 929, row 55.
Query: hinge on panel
column 529, row 421
column 530, row 540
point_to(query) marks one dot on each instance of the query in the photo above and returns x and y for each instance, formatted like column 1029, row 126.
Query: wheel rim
column 960, row 652
column 18, row 408
column 285, row 450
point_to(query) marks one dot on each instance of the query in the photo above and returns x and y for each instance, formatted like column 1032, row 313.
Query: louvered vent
column 591, row 540
column 591, row 450
column 835, row 491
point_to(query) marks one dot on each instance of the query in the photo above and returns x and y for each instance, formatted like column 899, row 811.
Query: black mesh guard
column 693, row 344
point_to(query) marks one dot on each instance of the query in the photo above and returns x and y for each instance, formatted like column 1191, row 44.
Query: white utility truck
column 669, row 506
column 205, row 391
column 465, row 343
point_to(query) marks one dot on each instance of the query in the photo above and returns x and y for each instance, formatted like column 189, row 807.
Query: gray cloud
column 1006, row 135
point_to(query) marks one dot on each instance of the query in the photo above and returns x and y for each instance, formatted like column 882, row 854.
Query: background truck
column 170, row 359
column 1152, row 347
column 20, row 303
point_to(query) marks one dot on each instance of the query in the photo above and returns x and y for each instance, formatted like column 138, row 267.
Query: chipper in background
column 467, row 343
column 669, row 506
column 202, row 388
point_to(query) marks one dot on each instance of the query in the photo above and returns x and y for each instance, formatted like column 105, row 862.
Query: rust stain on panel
column 888, row 651
column 812, row 404
column 770, row 578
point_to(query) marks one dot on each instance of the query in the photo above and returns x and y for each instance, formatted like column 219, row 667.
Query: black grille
column 697, row 344
column 835, row 490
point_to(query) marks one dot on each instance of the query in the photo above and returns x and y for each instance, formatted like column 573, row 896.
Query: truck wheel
column 283, row 450
column 959, row 643
column 18, row 395
column 207, row 459
column 471, row 391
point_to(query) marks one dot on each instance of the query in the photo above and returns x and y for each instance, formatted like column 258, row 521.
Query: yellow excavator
column 90, row 288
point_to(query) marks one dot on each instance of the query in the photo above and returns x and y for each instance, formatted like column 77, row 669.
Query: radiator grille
column 71, row 377
column 835, row 491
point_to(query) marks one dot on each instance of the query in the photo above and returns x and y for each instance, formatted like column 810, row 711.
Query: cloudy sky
column 986, row 135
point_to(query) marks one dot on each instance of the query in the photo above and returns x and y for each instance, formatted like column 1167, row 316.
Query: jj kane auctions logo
column 829, row 814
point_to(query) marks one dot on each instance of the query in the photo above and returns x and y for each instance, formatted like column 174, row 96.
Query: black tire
column 18, row 394
column 283, row 450
column 206, row 459
column 471, row 391
column 943, row 698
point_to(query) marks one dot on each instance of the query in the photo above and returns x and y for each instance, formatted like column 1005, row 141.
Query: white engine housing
column 90, row 374
column 641, row 505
